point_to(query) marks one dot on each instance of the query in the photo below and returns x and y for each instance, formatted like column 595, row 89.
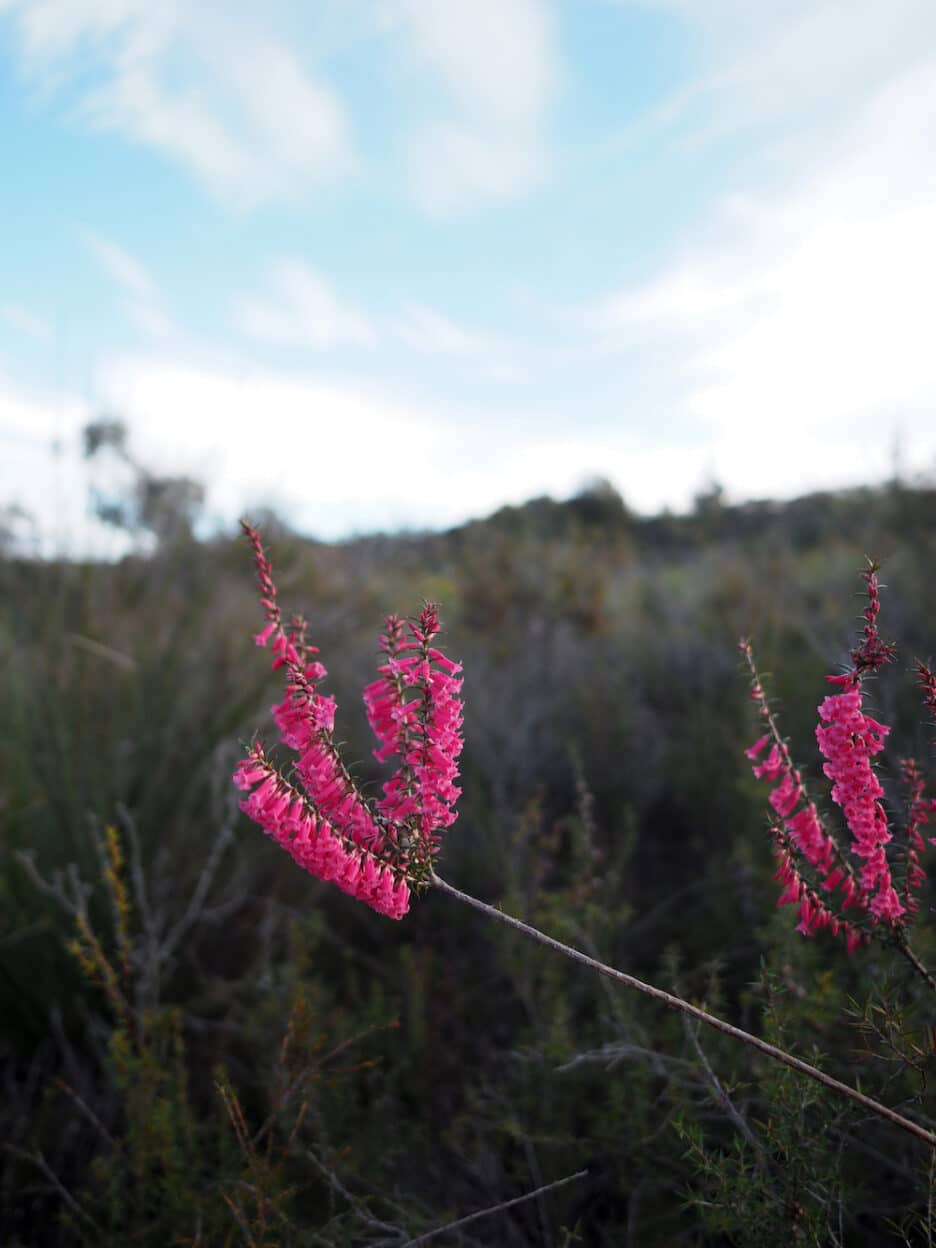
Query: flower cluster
column 799, row 835
column 423, row 731
column 848, row 741
column 810, row 861
column 373, row 852
column 314, row 841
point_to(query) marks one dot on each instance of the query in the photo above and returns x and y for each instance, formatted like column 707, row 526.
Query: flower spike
column 374, row 852
column 848, row 739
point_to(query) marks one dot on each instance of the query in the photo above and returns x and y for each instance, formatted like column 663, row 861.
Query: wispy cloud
column 206, row 84
column 498, row 67
column 27, row 323
column 801, row 319
column 239, row 96
column 425, row 329
column 143, row 302
column 304, row 310
column 803, row 63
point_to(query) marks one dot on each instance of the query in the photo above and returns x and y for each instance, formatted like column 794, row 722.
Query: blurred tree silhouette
column 165, row 506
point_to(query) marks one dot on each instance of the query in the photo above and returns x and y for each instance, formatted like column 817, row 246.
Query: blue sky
column 383, row 263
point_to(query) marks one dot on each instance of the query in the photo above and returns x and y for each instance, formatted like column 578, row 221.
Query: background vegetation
column 201, row 1045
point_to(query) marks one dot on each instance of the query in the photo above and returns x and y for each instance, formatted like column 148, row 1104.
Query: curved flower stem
column 711, row 1020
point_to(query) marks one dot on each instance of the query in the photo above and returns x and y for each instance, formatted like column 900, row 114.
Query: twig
column 85, row 1109
column 904, row 947
column 238, row 1215
column 296, row 1083
column 40, row 1162
column 711, row 1020
column 485, row 1213
column 102, row 652
column 147, row 993
column 611, row 1054
column 358, row 1207
column 197, row 901
column 737, row 1119
column 56, row 888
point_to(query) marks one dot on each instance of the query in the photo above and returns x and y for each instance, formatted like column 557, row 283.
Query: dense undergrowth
column 201, row 1045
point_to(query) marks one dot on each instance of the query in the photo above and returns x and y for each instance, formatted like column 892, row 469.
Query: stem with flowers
column 816, row 872
column 382, row 852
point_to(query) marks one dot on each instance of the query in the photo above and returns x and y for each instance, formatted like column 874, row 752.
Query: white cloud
column 336, row 456
column 498, row 65
column 121, row 266
column 143, row 302
column 453, row 165
column 42, row 472
column 800, row 326
column 809, row 62
column 304, row 310
column 26, row 322
column 425, row 329
column 206, row 84
column 236, row 93
column 495, row 59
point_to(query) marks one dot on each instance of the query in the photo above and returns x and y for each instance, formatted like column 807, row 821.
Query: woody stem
column 693, row 1011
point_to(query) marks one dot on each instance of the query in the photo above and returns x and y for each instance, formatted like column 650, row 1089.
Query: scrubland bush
column 200, row 1044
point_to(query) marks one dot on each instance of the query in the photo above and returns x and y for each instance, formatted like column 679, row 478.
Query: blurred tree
column 167, row 507
column 599, row 505
column 18, row 530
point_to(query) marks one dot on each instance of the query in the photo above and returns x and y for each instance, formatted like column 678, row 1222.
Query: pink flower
column 814, row 914
column 371, row 851
column 800, row 834
column 848, row 741
column 415, row 712
column 314, row 843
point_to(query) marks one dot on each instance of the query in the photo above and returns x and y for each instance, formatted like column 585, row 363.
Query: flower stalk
column 693, row 1011
column 376, row 852
column 811, row 862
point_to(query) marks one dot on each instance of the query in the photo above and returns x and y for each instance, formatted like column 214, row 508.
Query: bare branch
column 359, row 1208
column 196, row 905
column 486, row 1213
column 737, row 1119
column 41, row 1164
column 76, row 904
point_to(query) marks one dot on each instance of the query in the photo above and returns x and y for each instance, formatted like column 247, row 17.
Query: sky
column 385, row 264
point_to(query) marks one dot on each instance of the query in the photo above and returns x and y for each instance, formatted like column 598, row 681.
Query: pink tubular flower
column 814, row 914
column 799, row 834
column 802, row 828
column 371, row 852
column 293, row 822
column 848, row 741
column 415, row 712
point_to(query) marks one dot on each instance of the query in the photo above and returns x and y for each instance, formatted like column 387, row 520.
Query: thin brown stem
column 486, row 1213
column 920, row 968
column 684, row 1007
